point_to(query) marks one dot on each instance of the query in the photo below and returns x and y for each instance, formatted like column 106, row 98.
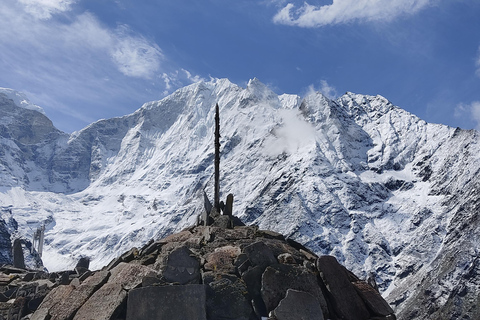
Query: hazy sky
column 83, row 60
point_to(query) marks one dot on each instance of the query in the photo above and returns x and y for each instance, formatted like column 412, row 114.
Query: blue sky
column 83, row 60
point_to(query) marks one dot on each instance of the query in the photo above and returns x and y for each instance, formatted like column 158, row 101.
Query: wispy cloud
column 71, row 64
column 477, row 63
column 469, row 111
column 134, row 55
column 294, row 134
column 44, row 9
column 131, row 53
column 325, row 88
column 343, row 11
column 475, row 109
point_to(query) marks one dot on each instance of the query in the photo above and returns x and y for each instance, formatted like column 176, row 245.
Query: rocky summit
column 203, row 272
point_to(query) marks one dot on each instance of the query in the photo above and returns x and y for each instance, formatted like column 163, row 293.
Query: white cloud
column 475, row 110
column 328, row 90
column 134, row 55
column 469, row 111
column 294, row 134
column 343, row 11
column 44, row 9
column 325, row 88
column 192, row 78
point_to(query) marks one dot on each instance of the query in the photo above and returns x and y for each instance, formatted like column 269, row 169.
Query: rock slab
column 167, row 303
column 277, row 279
column 104, row 304
column 227, row 298
column 182, row 267
column 373, row 299
column 298, row 305
column 346, row 302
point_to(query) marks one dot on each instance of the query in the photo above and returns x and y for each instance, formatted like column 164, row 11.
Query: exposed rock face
column 204, row 273
column 5, row 244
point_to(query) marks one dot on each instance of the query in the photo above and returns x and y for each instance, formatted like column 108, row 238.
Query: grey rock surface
column 104, row 304
column 298, row 305
column 167, row 303
column 347, row 303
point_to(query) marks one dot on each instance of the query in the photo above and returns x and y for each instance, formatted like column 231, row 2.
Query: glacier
column 357, row 177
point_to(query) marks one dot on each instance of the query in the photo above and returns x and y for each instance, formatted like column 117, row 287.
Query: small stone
column 64, row 279
column 224, row 222
column 150, row 248
column 34, row 303
column 83, row 262
column 115, row 262
column 270, row 235
column 80, row 270
column 29, row 276
column 85, row 275
column 152, row 281
column 129, row 255
column 177, row 237
column 75, row 282
column 286, row 258
column 222, row 259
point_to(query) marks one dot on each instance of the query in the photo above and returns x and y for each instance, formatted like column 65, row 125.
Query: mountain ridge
column 355, row 177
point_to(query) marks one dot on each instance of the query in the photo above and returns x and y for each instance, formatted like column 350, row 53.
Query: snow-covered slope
column 357, row 177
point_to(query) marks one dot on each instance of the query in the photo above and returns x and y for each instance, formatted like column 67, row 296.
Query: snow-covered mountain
column 356, row 177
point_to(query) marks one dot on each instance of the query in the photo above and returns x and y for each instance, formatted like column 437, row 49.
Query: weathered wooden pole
column 216, row 200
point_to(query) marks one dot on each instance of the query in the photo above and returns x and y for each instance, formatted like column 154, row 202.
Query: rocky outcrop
column 205, row 273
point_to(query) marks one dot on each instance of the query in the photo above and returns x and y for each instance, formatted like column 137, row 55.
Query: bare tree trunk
column 216, row 200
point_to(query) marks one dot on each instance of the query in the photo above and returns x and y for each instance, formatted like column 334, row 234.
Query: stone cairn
column 203, row 272
column 217, row 270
